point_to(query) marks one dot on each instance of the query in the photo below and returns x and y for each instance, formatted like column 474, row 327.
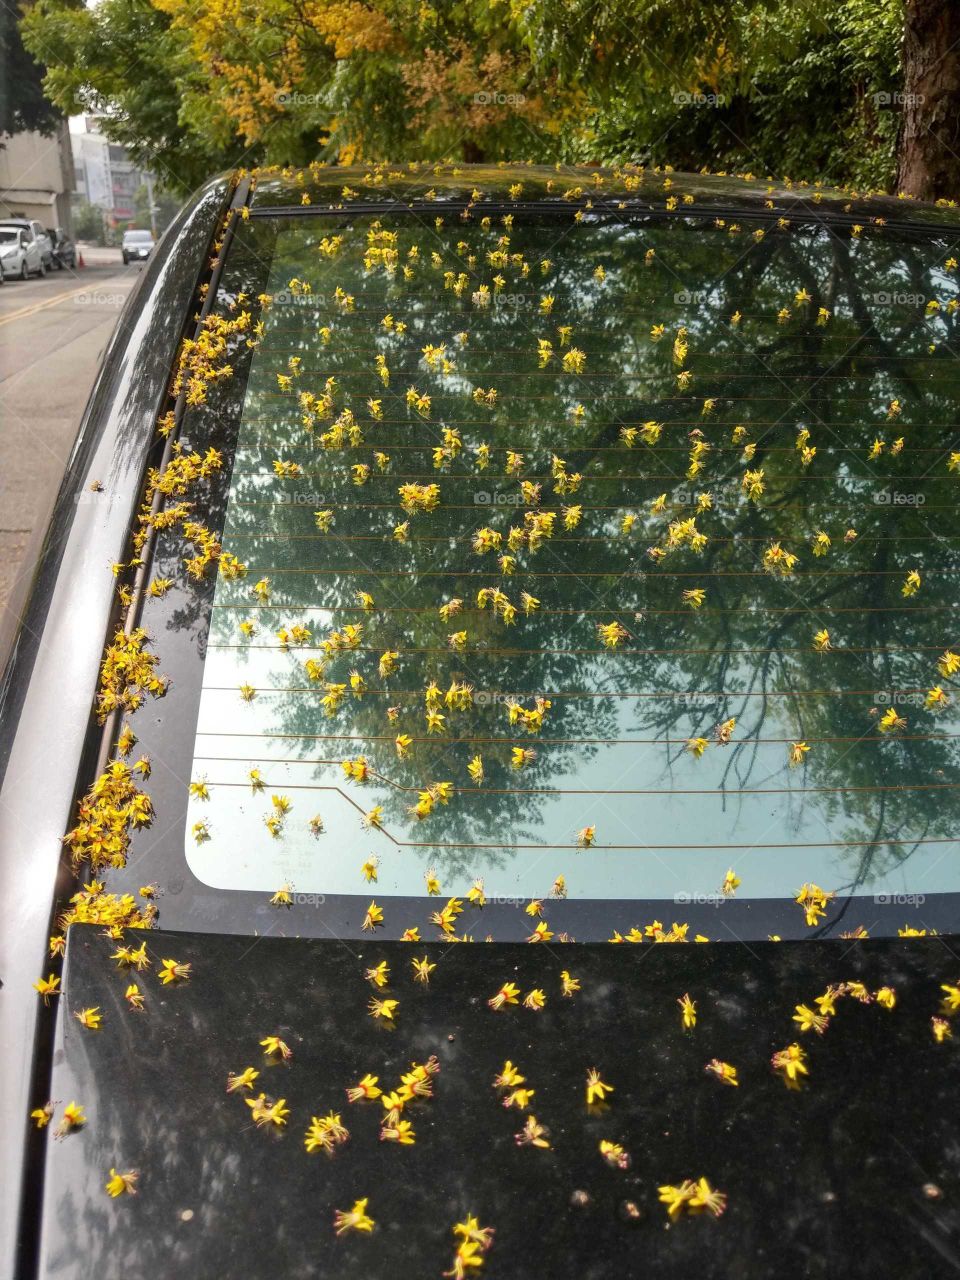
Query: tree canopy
column 192, row 85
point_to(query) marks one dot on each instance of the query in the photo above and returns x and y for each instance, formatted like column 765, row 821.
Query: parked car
column 35, row 231
column 64, row 249
column 542, row 559
column 137, row 246
column 19, row 253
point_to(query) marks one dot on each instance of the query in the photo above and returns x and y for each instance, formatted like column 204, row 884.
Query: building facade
column 36, row 177
column 104, row 174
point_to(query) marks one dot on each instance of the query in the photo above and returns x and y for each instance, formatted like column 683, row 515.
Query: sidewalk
column 95, row 256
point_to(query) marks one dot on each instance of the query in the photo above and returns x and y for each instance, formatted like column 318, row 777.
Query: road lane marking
column 49, row 302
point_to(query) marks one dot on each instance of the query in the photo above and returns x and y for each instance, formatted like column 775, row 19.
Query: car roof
column 634, row 187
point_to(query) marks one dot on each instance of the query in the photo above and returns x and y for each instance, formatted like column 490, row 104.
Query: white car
column 35, row 231
column 137, row 246
column 19, row 254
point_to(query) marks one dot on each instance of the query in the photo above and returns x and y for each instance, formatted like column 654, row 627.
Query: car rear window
column 604, row 561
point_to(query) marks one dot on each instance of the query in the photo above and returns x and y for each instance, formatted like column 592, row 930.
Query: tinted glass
column 709, row 703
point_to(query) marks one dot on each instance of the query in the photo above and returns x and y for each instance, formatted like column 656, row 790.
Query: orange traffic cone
column 80, row 261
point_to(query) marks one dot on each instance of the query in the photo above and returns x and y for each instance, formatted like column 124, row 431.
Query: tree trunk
column 928, row 159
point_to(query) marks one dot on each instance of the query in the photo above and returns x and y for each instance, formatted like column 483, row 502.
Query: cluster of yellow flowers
column 204, row 359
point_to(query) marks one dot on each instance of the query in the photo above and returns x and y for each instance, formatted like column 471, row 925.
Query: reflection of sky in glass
column 865, row 811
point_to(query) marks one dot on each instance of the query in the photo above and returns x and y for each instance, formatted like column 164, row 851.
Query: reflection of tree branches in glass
column 748, row 651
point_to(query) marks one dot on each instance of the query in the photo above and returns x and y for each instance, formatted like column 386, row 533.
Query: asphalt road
column 52, row 335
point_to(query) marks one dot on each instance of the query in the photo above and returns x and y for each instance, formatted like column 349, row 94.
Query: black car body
column 64, row 250
column 787, row 352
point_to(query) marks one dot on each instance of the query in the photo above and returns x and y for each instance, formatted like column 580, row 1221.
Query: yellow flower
column 122, row 1183
column 614, row 1154
column 264, row 1112
column 676, row 1198
column 886, row 996
column 274, row 1047
column 133, row 996
column 243, row 1080
column 367, row 1088
column 597, row 1090
column 355, row 1219
column 827, row 1002
column 401, row 1132
column 422, row 969
column 379, row 975
column 941, row 1029
column 936, row 699
column 73, row 1118
column 173, row 971
column 791, row 1062
column 705, row 1197
column 533, row 1134
column 509, row 1077
column 47, row 987
column 723, row 1071
column 807, row 1020
column 568, row 985
column 612, row 634
column 382, row 1008
column 373, row 917
column 506, row 995
column 797, row 751
column 90, row 1018
column 890, row 722
column 911, row 584
column 42, row 1116
column 688, row 1011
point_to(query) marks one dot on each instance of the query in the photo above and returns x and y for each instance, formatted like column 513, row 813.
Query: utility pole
column 148, row 178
